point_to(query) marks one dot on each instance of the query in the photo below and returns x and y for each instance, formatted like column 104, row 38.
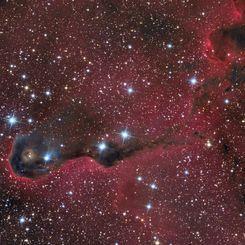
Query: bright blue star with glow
column 102, row 146
column 12, row 120
column 22, row 220
column 193, row 81
column 130, row 90
column 47, row 157
column 125, row 134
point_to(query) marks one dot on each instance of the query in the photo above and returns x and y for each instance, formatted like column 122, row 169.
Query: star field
column 164, row 80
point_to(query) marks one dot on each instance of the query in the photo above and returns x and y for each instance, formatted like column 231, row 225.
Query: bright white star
column 149, row 206
column 48, row 93
column 30, row 120
column 208, row 144
column 24, row 76
column 153, row 186
column 226, row 101
column 139, row 178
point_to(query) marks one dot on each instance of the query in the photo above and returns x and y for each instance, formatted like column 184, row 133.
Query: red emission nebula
column 122, row 122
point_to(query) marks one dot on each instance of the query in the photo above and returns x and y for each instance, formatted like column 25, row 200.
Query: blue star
column 47, row 157
column 22, row 220
column 12, row 120
column 125, row 134
column 130, row 90
column 102, row 146
column 193, row 81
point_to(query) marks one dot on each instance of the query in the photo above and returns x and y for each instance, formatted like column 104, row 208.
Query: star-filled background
column 166, row 74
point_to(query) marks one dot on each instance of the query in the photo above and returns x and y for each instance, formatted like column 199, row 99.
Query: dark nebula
column 33, row 155
column 29, row 153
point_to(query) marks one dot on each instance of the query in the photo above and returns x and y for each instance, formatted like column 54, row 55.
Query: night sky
column 161, row 84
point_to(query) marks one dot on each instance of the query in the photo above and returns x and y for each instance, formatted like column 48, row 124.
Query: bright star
column 153, row 186
column 226, row 101
column 12, row 120
column 47, row 157
column 70, row 193
column 130, row 90
column 22, row 220
column 208, row 144
column 24, row 76
column 48, row 93
column 139, row 178
column 169, row 45
column 30, row 120
column 125, row 134
column 102, row 146
column 193, row 81
column 149, row 206
column 186, row 172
